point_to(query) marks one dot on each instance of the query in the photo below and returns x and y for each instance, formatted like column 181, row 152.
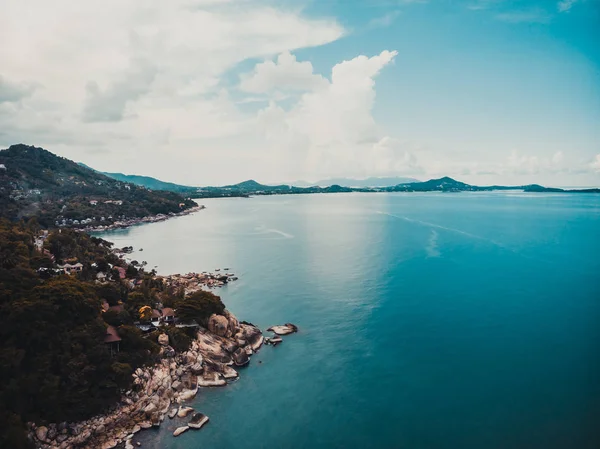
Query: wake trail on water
column 433, row 239
column 445, row 228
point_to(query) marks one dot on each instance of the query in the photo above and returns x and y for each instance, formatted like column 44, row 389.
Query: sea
column 426, row 320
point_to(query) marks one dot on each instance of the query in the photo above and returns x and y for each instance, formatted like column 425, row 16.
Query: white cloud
column 595, row 165
column 285, row 74
column 565, row 5
column 384, row 21
column 331, row 131
column 135, row 78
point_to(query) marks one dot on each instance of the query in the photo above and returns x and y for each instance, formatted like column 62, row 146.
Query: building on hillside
column 168, row 315
column 112, row 340
column 70, row 269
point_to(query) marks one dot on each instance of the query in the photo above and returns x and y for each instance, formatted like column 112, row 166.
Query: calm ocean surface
column 427, row 321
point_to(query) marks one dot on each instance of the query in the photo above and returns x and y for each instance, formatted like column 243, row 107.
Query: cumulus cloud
column 109, row 105
column 332, row 127
column 284, row 74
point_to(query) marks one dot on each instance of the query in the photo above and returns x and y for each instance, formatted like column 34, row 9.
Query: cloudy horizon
column 214, row 92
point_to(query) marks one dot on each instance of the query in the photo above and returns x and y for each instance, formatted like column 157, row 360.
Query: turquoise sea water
column 427, row 321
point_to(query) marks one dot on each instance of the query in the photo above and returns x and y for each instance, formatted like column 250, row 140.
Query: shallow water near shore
column 431, row 320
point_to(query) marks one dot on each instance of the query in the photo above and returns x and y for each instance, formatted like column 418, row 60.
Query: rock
column 287, row 328
column 61, row 438
column 240, row 357
column 180, row 430
column 150, row 408
column 184, row 411
column 172, row 413
column 145, row 424
column 100, row 429
column 51, row 432
column 128, row 445
column 163, row 339
column 229, row 373
column 187, row 395
column 218, row 325
column 198, row 420
column 110, row 444
column 196, row 368
column 275, row 340
column 177, row 386
column 211, row 380
column 41, row 433
column 135, row 429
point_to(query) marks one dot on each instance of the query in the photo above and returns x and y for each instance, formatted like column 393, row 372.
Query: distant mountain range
column 359, row 183
column 35, row 182
column 389, row 184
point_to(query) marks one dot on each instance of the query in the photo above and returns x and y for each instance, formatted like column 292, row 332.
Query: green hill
column 36, row 182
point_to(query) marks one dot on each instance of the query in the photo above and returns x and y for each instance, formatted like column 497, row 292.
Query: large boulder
column 218, row 325
column 163, row 339
column 284, row 329
column 240, row 357
column 196, row 368
column 41, row 433
column 184, row 411
column 150, row 409
column 198, row 420
column 180, row 430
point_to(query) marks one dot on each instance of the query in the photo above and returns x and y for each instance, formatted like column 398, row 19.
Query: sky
column 212, row 92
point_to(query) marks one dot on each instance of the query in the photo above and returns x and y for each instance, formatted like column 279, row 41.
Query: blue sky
column 213, row 91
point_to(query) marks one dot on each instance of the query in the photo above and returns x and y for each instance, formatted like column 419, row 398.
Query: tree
column 199, row 306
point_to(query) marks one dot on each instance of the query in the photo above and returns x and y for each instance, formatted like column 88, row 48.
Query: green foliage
column 199, row 306
column 37, row 183
column 54, row 364
column 179, row 339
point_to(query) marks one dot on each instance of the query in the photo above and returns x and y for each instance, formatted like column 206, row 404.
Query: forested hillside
column 58, row 191
column 55, row 364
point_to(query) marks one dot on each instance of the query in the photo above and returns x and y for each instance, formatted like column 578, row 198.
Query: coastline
column 159, row 392
column 122, row 224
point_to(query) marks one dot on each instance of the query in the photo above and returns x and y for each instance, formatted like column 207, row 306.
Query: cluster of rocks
column 284, row 329
column 159, row 391
column 192, row 282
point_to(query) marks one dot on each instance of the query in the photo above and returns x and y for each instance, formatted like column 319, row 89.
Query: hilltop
column 358, row 183
column 37, row 183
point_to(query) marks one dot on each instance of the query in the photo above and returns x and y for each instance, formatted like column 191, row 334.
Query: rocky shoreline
column 158, row 392
column 120, row 224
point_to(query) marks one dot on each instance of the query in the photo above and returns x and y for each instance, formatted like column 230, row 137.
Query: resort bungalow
column 70, row 269
column 112, row 339
column 168, row 315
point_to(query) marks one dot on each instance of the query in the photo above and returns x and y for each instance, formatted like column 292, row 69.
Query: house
column 2, row 167
column 112, row 340
column 168, row 315
column 101, row 276
column 70, row 269
column 93, row 202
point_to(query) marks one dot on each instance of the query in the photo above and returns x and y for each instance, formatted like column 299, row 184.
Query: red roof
column 112, row 335
column 167, row 311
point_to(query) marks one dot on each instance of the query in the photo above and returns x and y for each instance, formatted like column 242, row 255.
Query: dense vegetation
column 54, row 364
column 38, row 183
